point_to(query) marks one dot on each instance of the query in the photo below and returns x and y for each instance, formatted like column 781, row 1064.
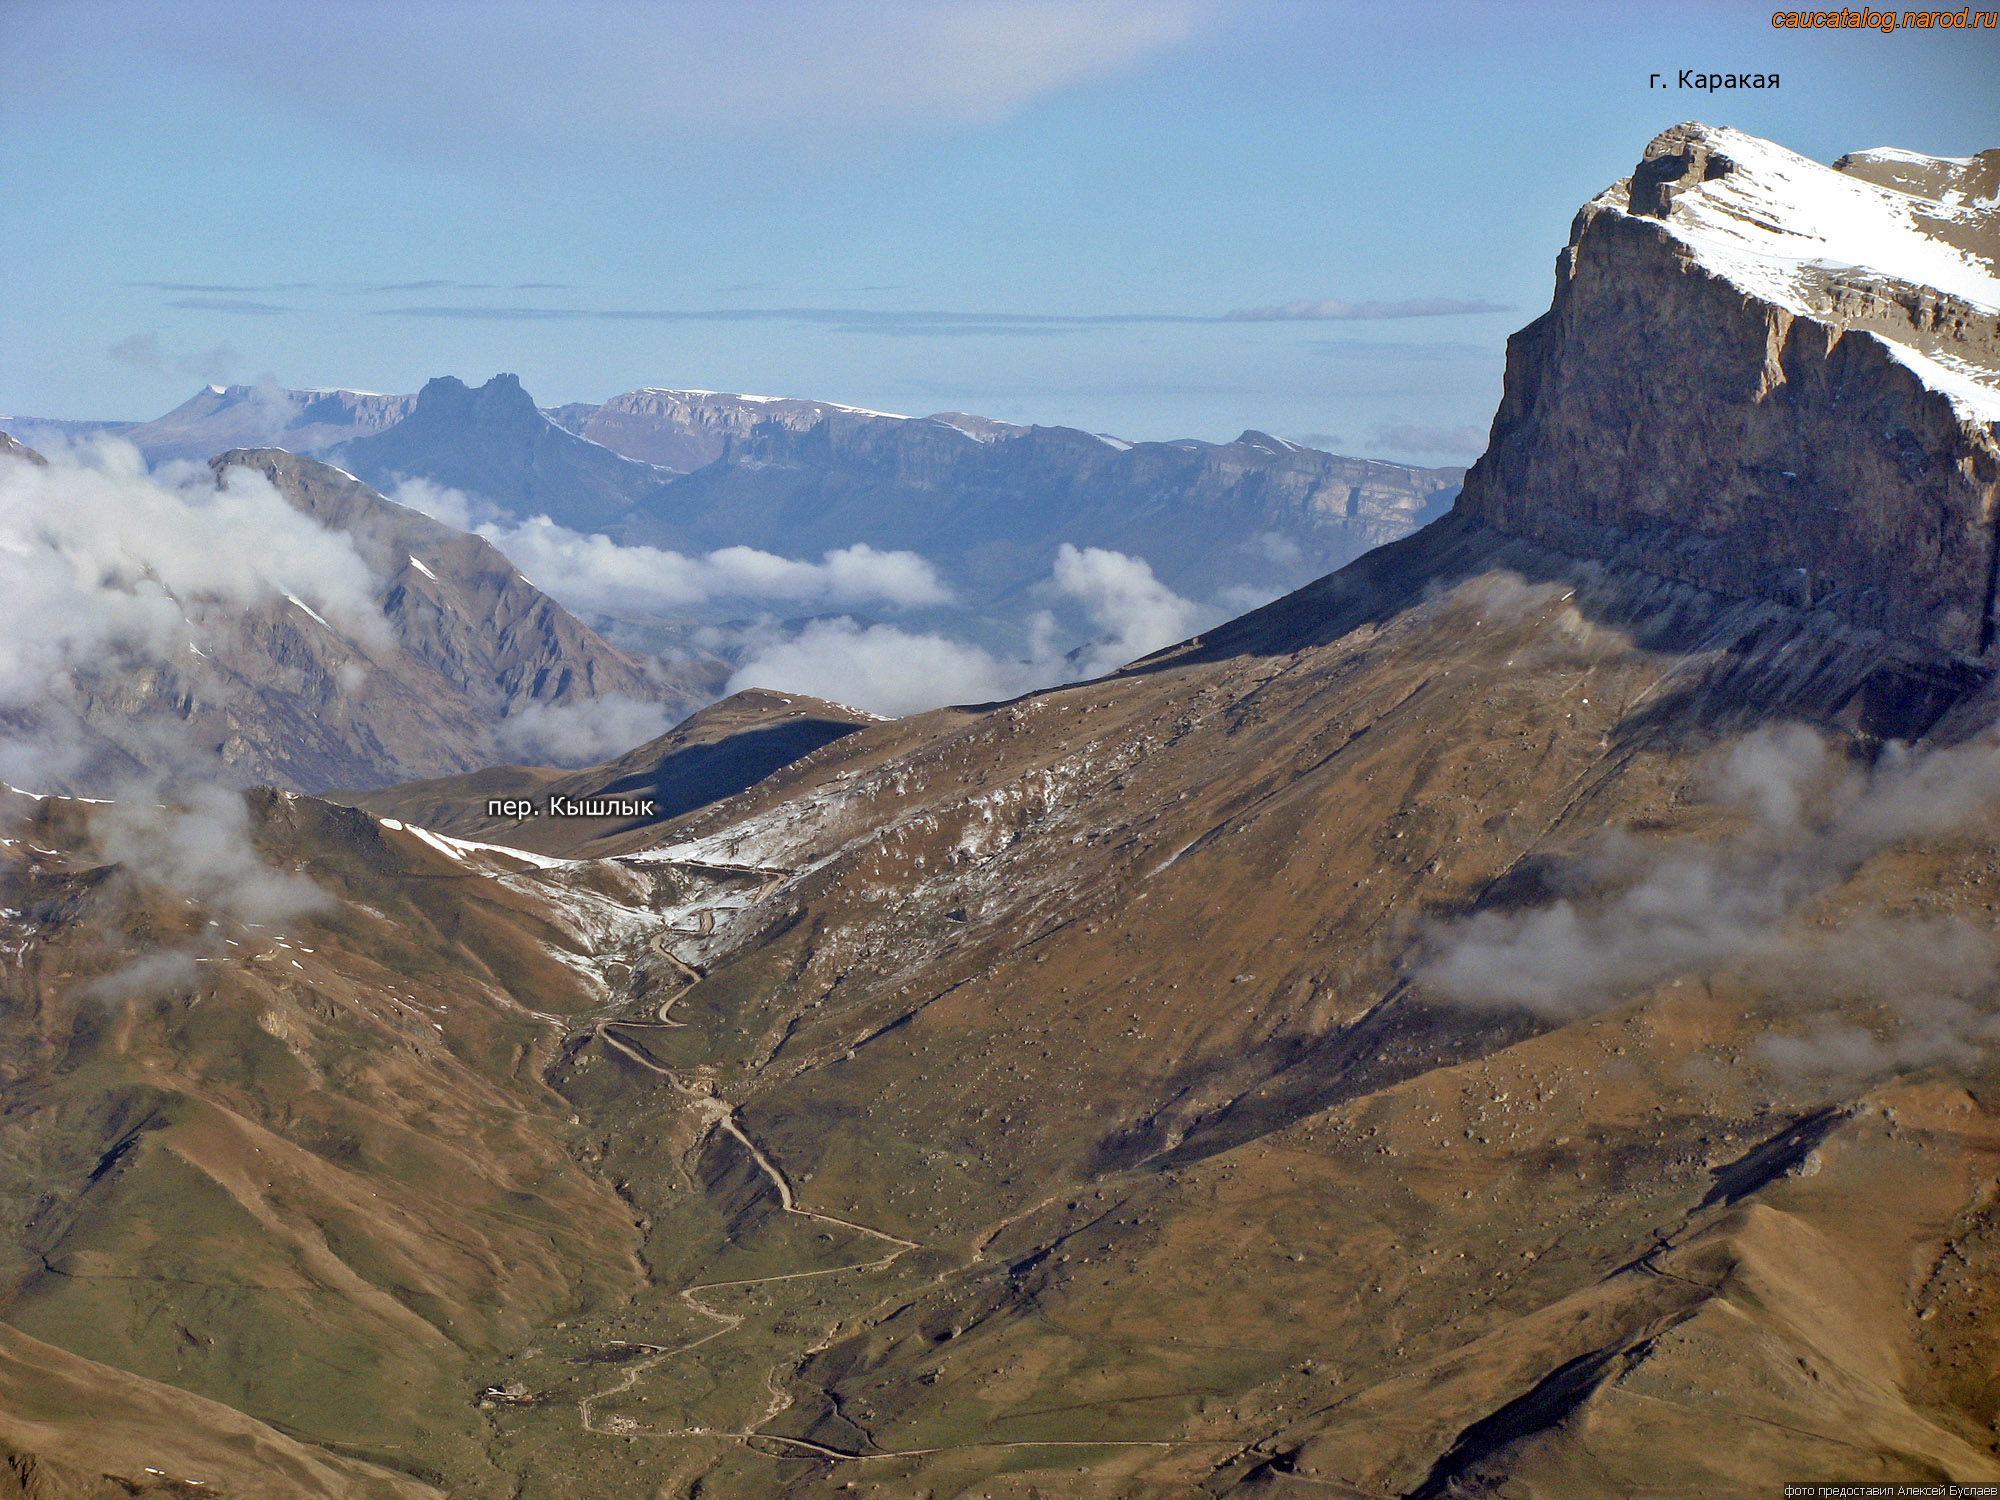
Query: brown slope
column 71, row 1429
column 1098, row 998
column 1082, row 1025
column 714, row 753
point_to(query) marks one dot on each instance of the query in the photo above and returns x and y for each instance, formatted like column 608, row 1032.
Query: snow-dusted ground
column 1779, row 226
column 1779, row 216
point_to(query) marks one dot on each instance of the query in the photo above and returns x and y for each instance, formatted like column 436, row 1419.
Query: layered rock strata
column 1774, row 379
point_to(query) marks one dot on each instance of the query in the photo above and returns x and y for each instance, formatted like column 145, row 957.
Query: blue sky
column 1040, row 210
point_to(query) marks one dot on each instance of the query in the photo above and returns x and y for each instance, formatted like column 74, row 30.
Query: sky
column 1154, row 218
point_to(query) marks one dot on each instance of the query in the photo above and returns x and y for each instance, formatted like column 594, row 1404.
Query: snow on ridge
column 458, row 849
column 1956, row 379
column 1779, row 216
column 860, row 411
column 418, row 563
column 308, row 609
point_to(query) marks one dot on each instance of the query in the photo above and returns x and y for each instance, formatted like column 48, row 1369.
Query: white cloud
column 420, row 75
column 885, row 670
column 103, row 564
column 579, row 734
column 200, row 847
column 592, row 572
column 1649, row 911
column 1136, row 612
column 894, row 672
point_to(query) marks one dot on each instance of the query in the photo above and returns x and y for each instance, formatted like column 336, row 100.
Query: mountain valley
column 1515, row 1015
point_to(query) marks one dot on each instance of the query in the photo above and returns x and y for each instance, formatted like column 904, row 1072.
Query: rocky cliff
column 1774, row 379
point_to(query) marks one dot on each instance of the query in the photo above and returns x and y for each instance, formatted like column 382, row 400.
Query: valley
column 1514, row 1015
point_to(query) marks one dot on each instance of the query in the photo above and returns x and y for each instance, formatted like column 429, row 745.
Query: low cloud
column 578, row 734
column 1334, row 310
column 1461, row 440
column 884, row 670
column 1135, row 614
column 201, row 848
column 1638, row 912
column 1128, row 612
column 594, row 573
column 105, row 568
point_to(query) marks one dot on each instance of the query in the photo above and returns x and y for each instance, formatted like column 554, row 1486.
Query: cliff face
column 1773, row 379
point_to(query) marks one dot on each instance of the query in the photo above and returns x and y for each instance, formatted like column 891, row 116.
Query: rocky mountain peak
column 1771, row 378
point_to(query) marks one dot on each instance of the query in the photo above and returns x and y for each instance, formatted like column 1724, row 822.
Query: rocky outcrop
column 1773, row 379
column 493, row 442
column 684, row 430
column 9, row 448
column 249, row 416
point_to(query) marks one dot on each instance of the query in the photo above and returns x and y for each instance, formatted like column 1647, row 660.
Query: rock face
column 247, row 416
column 493, row 442
column 1773, row 379
column 684, row 430
column 473, row 665
column 990, row 501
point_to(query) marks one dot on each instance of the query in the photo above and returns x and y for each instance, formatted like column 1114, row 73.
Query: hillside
column 716, row 752
column 445, row 655
column 1506, row 1018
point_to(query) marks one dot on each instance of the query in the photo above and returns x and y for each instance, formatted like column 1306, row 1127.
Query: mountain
column 10, row 448
column 467, row 657
column 685, row 430
column 715, row 753
column 1838, row 327
column 493, row 442
column 991, row 501
column 246, row 416
column 1505, row 1018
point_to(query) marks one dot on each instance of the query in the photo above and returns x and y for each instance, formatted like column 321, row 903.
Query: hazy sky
column 1040, row 210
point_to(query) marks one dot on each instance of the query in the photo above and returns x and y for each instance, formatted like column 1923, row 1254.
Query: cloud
column 579, row 734
column 107, row 569
column 210, row 286
column 884, row 670
column 1637, row 913
column 229, row 305
column 1273, row 547
column 597, row 574
column 846, row 319
column 201, row 848
column 890, row 671
column 1333, row 310
column 936, row 322
column 1136, row 613
column 648, row 73
column 1401, row 439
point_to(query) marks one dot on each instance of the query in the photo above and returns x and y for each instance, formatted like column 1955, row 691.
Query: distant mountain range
column 988, row 502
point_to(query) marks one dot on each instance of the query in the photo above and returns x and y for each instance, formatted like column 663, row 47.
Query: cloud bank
column 890, row 671
column 1645, row 912
column 1333, row 310
column 594, row 573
